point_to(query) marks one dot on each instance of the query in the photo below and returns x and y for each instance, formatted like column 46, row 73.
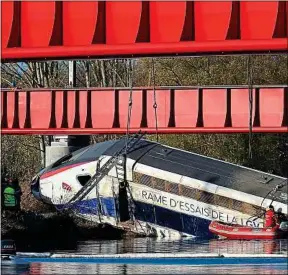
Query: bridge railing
column 180, row 110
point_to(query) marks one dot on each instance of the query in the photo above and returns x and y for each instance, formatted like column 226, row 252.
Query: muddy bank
column 52, row 230
column 42, row 228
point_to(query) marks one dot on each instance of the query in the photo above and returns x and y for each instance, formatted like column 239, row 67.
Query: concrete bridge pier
column 63, row 145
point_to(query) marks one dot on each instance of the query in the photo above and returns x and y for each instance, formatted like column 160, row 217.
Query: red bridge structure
column 84, row 29
column 180, row 110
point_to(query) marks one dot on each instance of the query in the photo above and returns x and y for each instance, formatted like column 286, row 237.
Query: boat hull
column 237, row 232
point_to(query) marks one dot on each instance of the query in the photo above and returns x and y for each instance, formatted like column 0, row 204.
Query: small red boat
column 240, row 232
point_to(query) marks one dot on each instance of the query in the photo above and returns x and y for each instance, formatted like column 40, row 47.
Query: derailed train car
column 159, row 190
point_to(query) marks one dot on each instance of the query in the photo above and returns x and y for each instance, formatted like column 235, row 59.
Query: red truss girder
column 180, row 110
column 82, row 29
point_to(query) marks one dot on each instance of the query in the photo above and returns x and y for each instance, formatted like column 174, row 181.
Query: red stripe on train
column 60, row 170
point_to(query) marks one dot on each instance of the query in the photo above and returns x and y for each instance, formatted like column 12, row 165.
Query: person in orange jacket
column 270, row 217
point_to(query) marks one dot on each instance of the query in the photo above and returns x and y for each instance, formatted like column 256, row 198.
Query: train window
column 83, row 179
column 62, row 160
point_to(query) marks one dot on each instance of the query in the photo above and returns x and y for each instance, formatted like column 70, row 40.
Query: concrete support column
column 63, row 145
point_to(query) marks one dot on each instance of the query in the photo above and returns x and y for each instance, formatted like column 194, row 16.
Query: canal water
column 151, row 245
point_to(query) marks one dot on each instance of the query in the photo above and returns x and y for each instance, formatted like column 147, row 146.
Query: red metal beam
column 41, row 30
column 180, row 110
column 218, row 130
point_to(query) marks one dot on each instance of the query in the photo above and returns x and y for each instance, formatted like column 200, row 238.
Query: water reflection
column 45, row 268
column 123, row 269
column 8, row 268
column 248, row 247
column 150, row 245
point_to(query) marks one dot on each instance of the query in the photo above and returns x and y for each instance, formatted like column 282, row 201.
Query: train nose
column 42, row 191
